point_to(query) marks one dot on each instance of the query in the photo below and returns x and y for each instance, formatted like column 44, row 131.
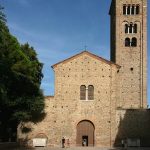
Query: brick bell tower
column 129, row 50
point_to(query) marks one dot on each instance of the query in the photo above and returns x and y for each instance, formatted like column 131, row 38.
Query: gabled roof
column 89, row 54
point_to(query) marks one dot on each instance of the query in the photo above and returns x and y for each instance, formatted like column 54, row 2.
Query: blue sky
column 58, row 29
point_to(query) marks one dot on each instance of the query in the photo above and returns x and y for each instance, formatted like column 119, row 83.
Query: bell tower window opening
column 137, row 9
column 135, row 28
column 131, row 43
column 128, row 10
column 134, row 42
column 124, row 10
column 131, row 9
column 131, row 28
column 127, row 42
column 126, row 28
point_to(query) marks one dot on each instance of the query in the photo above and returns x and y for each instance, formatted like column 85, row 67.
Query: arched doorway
column 85, row 133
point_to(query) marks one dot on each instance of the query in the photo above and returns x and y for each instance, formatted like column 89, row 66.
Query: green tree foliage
column 20, row 77
column 2, row 15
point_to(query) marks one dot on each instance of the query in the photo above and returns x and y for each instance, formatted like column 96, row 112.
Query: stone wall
column 133, row 124
column 69, row 76
column 29, row 130
column 133, row 60
column 114, row 88
column 65, row 110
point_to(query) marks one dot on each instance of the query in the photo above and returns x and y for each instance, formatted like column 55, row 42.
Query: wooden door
column 85, row 133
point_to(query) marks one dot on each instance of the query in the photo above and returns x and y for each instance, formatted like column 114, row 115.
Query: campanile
column 129, row 50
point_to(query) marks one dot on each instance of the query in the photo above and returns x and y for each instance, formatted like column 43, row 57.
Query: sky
column 58, row 29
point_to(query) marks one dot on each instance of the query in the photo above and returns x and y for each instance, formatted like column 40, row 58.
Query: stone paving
column 79, row 148
column 95, row 148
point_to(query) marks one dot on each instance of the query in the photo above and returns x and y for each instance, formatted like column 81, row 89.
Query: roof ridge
column 89, row 53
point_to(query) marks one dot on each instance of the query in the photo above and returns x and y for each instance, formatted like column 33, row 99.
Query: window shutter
column 90, row 92
column 82, row 92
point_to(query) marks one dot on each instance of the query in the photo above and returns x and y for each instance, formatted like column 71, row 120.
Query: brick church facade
column 98, row 102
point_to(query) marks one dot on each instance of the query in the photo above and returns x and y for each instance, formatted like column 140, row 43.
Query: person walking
column 63, row 142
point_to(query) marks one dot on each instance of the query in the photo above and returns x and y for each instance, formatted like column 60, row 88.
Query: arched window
column 128, row 10
column 135, row 28
column 127, row 42
column 126, row 28
column 90, row 92
column 82, row 92
column 133, row 10
column 134, row 42
column 131, row 28
column 124, row 9
column 137, row 9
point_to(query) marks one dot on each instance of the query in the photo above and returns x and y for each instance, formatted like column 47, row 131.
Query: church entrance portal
column 85, row 133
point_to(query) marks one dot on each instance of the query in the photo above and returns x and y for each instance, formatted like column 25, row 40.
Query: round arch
column 41, row 135
column 85, row 133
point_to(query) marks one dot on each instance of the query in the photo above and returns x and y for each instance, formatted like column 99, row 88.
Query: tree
column 20, row 77
column 2, row 15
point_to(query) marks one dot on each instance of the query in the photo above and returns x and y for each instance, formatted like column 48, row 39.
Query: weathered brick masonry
column 117, row 108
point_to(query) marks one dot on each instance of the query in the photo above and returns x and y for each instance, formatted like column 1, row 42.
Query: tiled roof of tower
column 111, row 6
column 88, row 53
